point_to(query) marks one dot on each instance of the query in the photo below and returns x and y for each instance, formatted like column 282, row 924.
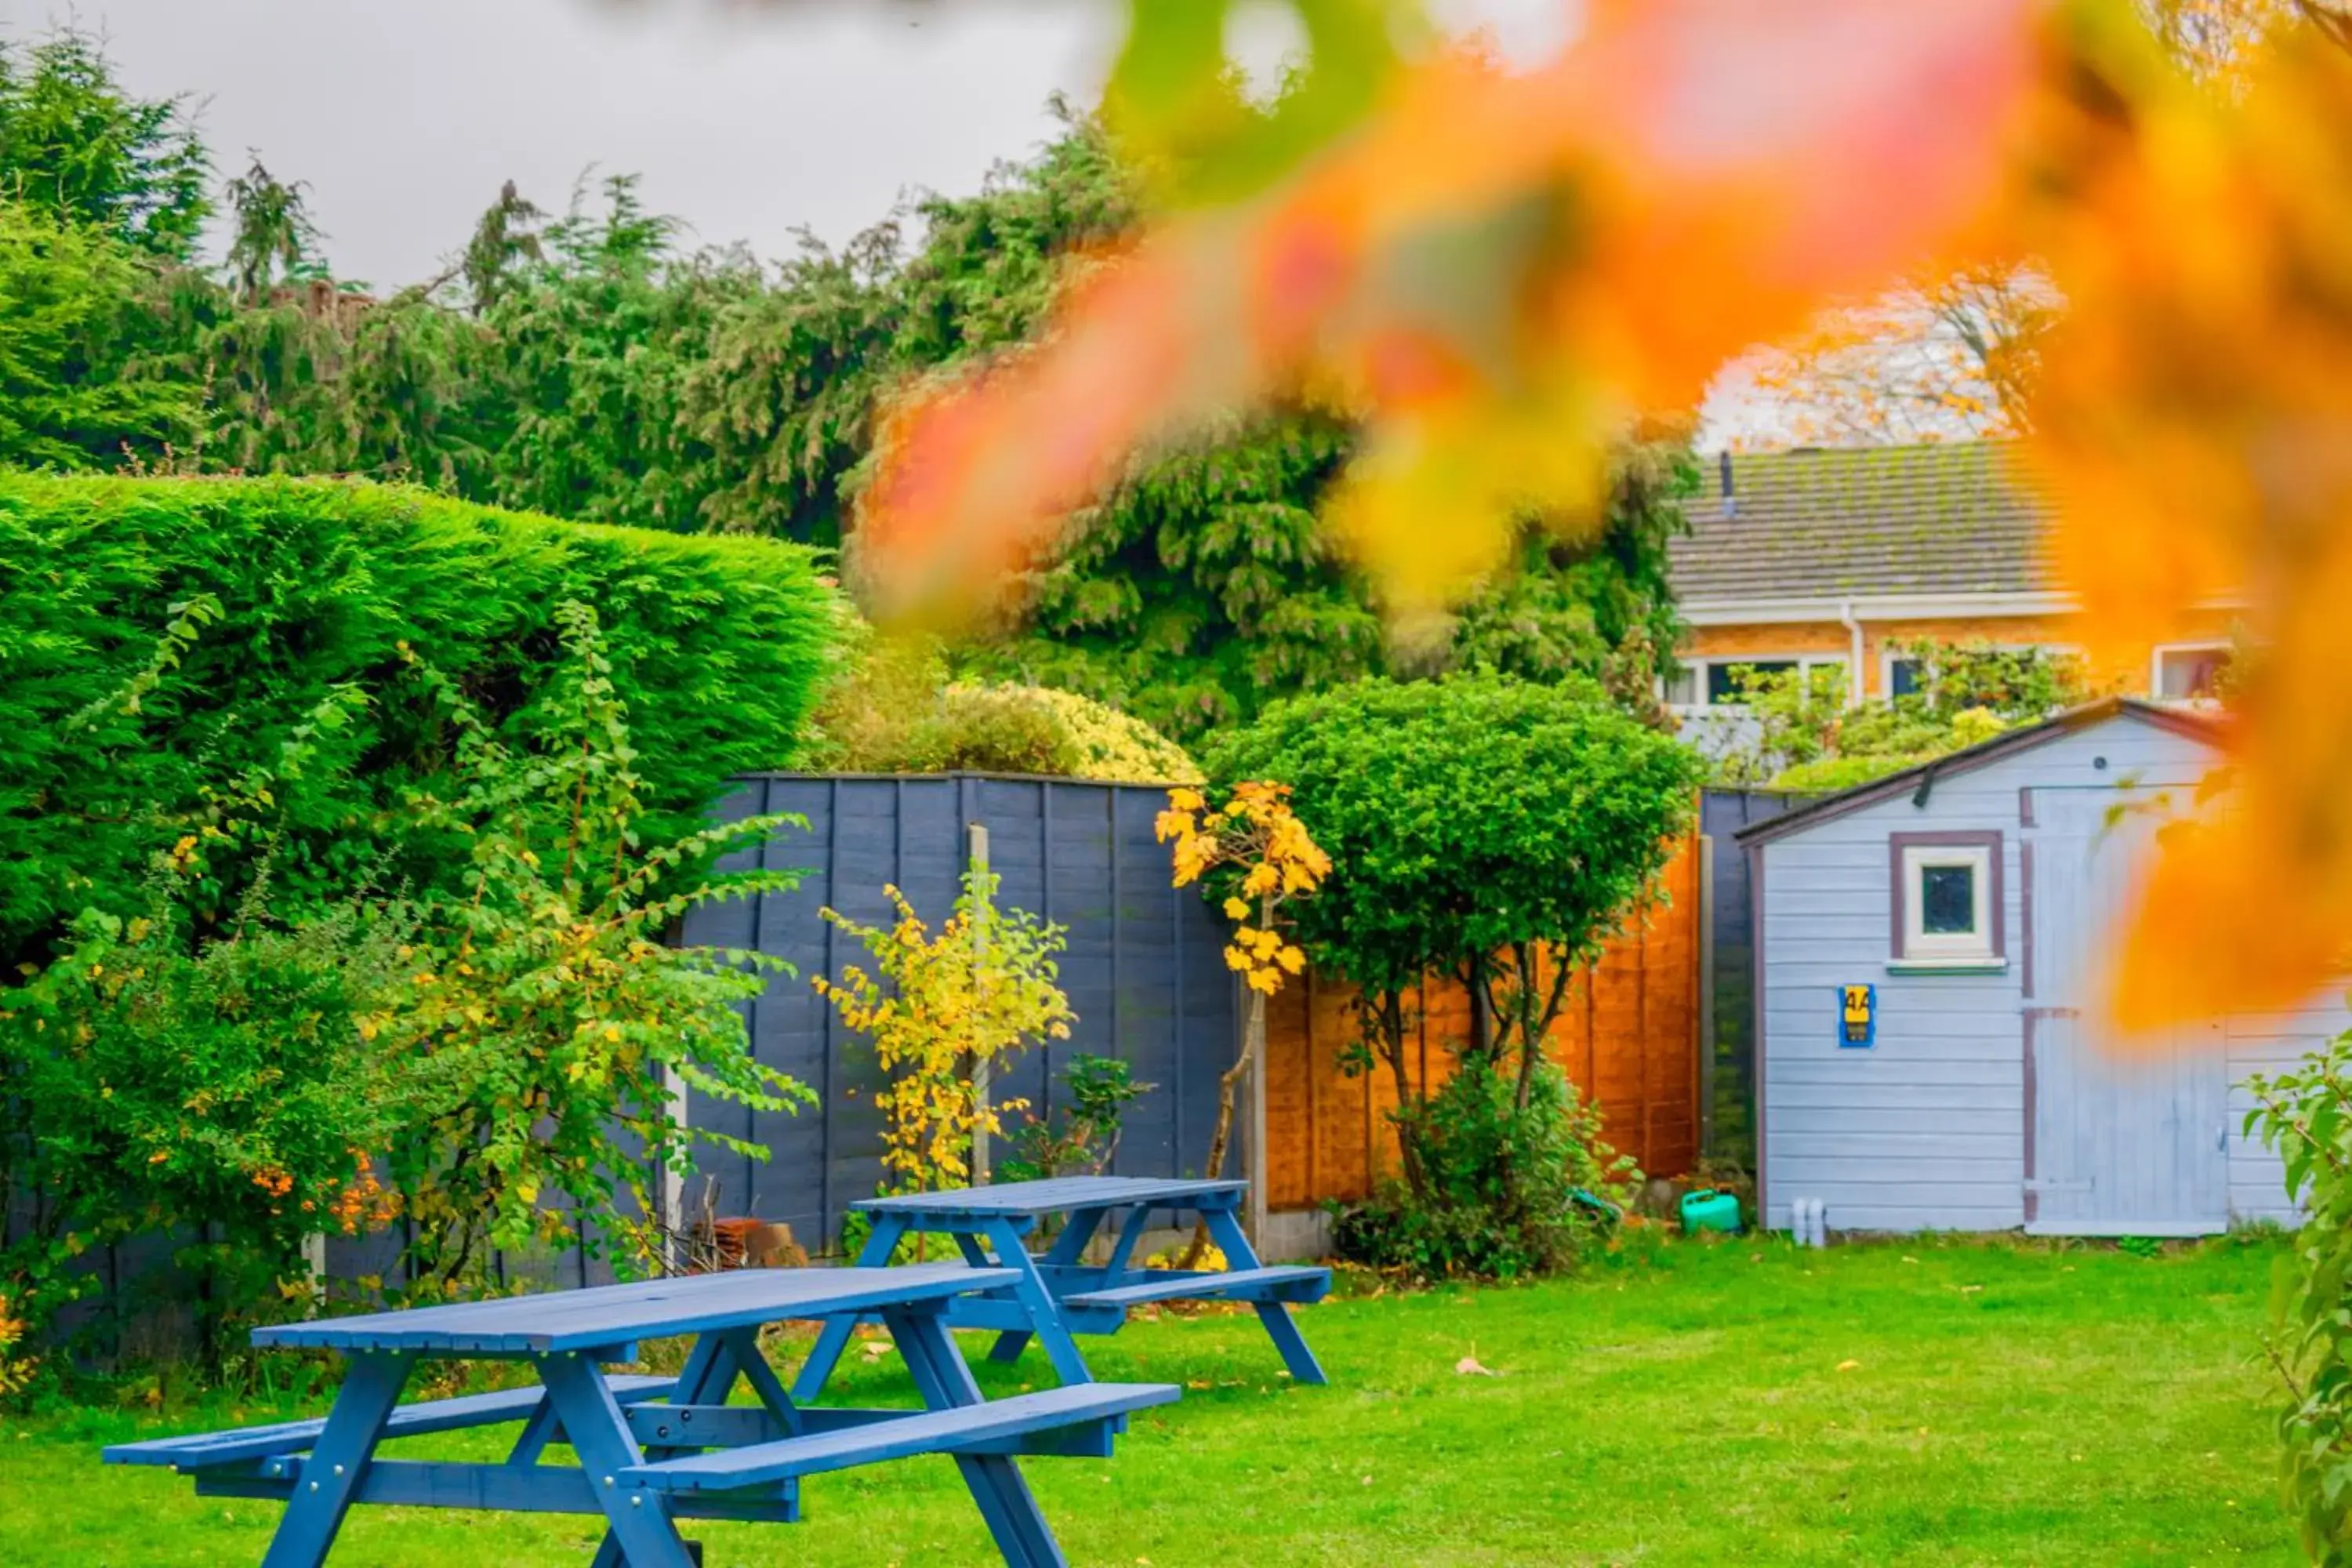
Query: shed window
column 1948, row 901
column 1946, row 895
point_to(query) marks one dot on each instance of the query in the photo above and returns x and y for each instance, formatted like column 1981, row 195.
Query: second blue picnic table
column 1060, row 1294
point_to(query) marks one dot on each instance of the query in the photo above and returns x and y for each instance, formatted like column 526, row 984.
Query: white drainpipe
column 1854, row 664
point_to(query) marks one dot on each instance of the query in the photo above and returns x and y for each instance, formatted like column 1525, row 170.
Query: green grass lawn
column 1742, row 1403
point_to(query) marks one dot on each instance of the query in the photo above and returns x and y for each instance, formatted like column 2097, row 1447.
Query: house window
column 1701, row 683
column 2190, row 672
column 1726, row 678
column 1914, row 674
column 1947, row 898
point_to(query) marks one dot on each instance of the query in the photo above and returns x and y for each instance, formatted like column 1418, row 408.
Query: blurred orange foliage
column 1497, row 273
column 2195, row 422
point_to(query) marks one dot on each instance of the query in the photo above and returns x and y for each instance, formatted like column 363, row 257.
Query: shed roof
column 1958, row 518
column 1914, row 780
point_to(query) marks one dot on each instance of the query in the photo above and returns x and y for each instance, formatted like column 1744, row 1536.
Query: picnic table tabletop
column 1059, row 1295
column 1055, row 1194
column 609, row 1315
column 652, row 1451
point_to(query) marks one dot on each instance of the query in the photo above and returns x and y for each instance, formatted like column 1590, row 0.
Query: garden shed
column 1927, row 950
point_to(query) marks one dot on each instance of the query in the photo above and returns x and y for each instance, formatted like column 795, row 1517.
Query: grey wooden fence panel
column 1143, row 968
column 1732, row 1007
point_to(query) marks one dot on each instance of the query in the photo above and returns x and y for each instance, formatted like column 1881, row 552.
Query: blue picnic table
column 651, row 1451
column 1060, row 1294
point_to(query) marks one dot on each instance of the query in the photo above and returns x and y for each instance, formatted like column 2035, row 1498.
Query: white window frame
column 2156, row 666
column 1696, row 667
column 1915, row 947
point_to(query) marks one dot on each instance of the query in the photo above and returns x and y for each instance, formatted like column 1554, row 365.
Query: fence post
column 976, row 844
column 669, row 1187
column 1703, row 937
column 1259, row 1166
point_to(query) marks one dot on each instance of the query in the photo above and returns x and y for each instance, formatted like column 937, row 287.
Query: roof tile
column 1816, row 522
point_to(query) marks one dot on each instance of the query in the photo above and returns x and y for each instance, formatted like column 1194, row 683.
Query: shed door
column 2117, row 1144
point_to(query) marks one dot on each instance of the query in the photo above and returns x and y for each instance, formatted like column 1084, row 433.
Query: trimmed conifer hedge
column 164, row 642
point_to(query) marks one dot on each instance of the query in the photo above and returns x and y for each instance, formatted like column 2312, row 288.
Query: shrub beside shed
column 1926, row 956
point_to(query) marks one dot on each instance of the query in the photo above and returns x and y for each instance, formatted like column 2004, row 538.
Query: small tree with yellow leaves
column 938, row 1006
column 1254, row 836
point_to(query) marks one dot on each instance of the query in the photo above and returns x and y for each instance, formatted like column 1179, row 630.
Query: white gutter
column 1898, row 607
column 1874, row 607
column 1847, row 619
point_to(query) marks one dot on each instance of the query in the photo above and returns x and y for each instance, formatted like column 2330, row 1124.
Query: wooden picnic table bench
column 1059, row 1295
column 652, row 1450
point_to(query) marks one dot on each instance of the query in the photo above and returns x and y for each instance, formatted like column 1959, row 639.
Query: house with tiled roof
column 1832, row 557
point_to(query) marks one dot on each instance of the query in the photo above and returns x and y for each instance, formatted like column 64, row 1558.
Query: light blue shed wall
column 1926, row 1131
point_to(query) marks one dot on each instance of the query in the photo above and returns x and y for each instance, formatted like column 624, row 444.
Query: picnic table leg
column 706, row 1379
column 330, row 1476
column 834, row 1338
column 1035, row 1294
column 1225, row 1230
column 1068, row 1248
column 995, row 1482
column 593, row 1419
column 744, row 1346
column 1129, row 1234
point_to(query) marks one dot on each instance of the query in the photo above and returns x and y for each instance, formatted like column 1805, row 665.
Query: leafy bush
column 2305, row 1115
column 319, row 590
column 1807, row 738
column 937, row 1008
column 894, row 709
column 1508, row 1188
column 1084, row 1142
column 1486, row 830
column 491, row 1057
column 223, row 1096
column 546, row 1020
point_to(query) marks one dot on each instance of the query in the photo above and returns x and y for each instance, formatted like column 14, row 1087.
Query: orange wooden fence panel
column 1627, row 1035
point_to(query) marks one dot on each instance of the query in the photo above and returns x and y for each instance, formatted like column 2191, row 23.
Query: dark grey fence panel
column 1143, row 968
column 1731, row 1129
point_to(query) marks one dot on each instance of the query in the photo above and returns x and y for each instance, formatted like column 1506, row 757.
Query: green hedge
column 326, row 591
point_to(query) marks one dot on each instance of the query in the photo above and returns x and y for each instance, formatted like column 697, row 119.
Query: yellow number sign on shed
column 1858, row 1016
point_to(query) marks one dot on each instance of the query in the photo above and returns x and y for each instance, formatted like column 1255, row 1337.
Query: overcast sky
column 746, row 120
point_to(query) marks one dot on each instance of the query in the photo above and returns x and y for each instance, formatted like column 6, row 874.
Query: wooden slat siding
column 2267, row 1042
column 1910, row 1135
column 1628, row 1032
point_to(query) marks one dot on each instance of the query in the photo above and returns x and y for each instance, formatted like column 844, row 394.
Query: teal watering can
column 1707, row 1209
